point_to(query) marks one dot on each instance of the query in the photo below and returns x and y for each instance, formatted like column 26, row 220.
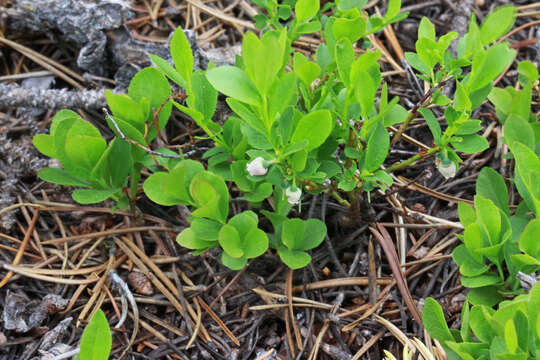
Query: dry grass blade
column 47, row 63
column 220, row 15
column 57, row 272
column 368, row 345
column 24, row 243
column 17, row 270
column 218, row 321
column 105, row 233
column 288, row 288
column 348, row 281
column 198, row 323
column 384, row 239
column 398, row 334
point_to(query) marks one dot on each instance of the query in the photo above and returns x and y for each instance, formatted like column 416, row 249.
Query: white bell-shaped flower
column 447, row 168
column 293, row 196
column 256, row 167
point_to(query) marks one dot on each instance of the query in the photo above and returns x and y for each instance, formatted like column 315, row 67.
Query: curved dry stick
column 384, row 239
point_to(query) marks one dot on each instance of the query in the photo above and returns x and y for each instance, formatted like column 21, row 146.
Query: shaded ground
column 64, row 54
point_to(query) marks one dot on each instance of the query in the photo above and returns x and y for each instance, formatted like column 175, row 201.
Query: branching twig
column 140, row 146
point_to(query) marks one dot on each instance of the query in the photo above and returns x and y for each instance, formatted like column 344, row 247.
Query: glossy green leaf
column 306, row 9
column 378, row 144
column 188, row 239
column 320, row 120
column 490, row 184
column 434, row 321
column 233, row 82
column 230, row 242
column 96, row 340
column 497, row 23
column 91, row 196
column 293, row 258
column 168, row 70
column 61, row 177
column 181, row 54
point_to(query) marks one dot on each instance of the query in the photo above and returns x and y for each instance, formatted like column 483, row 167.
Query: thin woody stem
column 124, row 137
column 415, row 109
column 411, row 160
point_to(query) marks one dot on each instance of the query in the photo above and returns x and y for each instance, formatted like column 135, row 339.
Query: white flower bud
column 447, row 168
column 293, row 196
column 327, row 182
column 256, row 167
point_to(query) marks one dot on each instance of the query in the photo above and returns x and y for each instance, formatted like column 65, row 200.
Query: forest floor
column 56, row 254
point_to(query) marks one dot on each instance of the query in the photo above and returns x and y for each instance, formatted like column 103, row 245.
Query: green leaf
column 533, row 308
column 154, row 188
column 480, row 281
column 396, row 115
column 127, row 109
column 528, row 173
column 151, row 84
column 489, row 218
column 466, row 213
column 308, row 72
column 469, row 144
column 293, row 258
column 84, row 152
column 426, row 29
column 490, row 184
column 282, row 94
column 461, row 98
column 434, row 321
column 45, row 144
column 211, row 196
column 487, row 65
column 378, row 144
column 481, row 323
column 61, row 177
column 91, row 196
column 517, row 128
column 528, row 241
column 204, row 229
column 292, row 233
column 497, row 23
column 344, row 59
column 96, row 340
column 261, row 192
column 314, row 233
column 353, row 29
column 320, row 120
column 487, row 296
column 414, row 60
column 230, row 242
column 255, row 243
column 204, row 95
column 168, row 70
column 188, row 239
column 351, row 4
column 263, row 58
column 528, row 73
column 306, row 9
column 433, row 125
column 181, row 54
column 233, row 263
column 233, row 82
column 393, row 9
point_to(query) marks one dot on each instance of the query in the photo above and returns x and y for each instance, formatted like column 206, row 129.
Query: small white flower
column 327, row 182
column 447, row 168
column 256, row 167
column 293, row 196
